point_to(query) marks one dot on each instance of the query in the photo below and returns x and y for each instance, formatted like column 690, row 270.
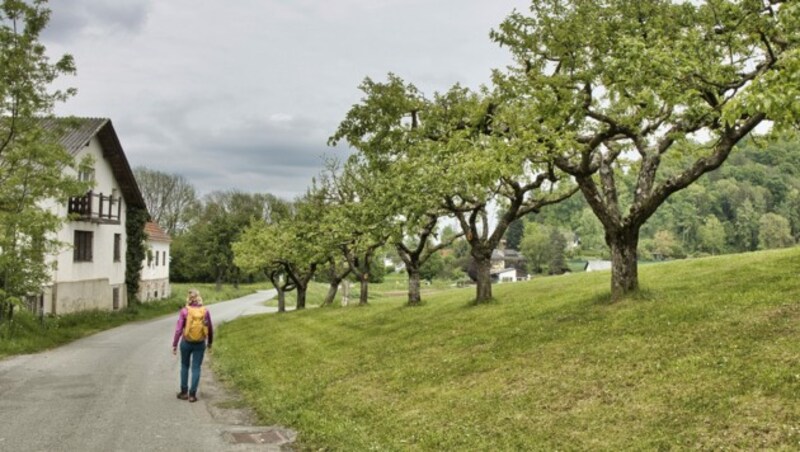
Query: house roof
column 155, row 233
column 506, row 255
column 75, row 133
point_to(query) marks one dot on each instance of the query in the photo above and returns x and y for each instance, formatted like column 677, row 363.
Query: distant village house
column 155, row 268
column 90, row 274
column 508, row 265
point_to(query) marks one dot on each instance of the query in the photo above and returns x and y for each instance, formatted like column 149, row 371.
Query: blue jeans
column 191, row 352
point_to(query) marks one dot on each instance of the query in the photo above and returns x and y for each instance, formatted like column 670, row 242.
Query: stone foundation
column 154, row 289
column 68, row 297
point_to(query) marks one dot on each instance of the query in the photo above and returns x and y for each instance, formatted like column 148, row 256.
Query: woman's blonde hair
column 194, row 296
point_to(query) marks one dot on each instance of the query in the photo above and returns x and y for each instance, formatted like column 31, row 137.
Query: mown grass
column 704, row 357
column 30, row 334
column 393, row 286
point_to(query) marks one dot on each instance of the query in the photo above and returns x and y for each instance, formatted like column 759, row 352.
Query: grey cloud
column 75, row 18
column 264, row 174
column 286, row 184
column 245, row 96
column 277, row 154
column 262, row 154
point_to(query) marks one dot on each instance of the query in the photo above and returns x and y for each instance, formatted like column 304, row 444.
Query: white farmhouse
column 90, row 274
column 504, row 265
column 154, row 283
column 504, row 275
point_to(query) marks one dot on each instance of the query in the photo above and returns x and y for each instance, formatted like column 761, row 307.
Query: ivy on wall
column 137, row 249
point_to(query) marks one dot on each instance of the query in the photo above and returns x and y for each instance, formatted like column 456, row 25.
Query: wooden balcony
column 96, row 207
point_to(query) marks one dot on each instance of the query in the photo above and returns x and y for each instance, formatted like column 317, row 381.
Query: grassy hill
column 707, row 356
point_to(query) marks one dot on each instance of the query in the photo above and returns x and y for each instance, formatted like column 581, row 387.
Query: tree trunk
column 483, row 291
column 335, row 280
column 301, row 296
column 345, row 292
column 624, row 263
column 362, row 298
column 281, row 299
column 300, row 281
column 236, row 276
column 333, row 288
column 277, row 283
column 414, row 296
column 218, row 282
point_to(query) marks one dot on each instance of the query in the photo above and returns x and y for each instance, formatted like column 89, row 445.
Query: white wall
column 155, row 273
column 509, row 275
column 156, row 270
column 102, row 267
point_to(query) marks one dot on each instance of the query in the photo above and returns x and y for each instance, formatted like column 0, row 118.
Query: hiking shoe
column 192, row 398
column 183, row 395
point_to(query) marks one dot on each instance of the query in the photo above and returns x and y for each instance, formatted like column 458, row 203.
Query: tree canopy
column 171, row 199
column 619, row 87
column 35, row 170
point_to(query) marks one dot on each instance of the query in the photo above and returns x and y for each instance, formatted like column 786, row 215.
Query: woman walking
column 194, row 329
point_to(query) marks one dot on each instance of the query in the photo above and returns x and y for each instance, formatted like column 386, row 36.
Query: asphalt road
column 113, row 391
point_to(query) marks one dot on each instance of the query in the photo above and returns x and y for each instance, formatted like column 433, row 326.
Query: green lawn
column 394, row 285
column 28, row 334
column 707, row 356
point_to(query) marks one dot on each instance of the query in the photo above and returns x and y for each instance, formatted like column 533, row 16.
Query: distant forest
column 751, row 202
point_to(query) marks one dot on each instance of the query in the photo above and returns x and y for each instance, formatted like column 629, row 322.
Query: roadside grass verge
column 705, row 356
column 29, row 334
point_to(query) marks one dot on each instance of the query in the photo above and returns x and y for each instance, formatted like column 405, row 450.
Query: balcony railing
column 96, row 207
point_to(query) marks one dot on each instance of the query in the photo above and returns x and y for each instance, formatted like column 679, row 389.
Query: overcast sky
column 243, row 94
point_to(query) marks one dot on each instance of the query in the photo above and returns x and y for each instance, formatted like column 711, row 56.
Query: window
column 164, row 258
column 82, row 247
column 117, row 247
column 157, row 258
column 115, row 298
column 86, row 175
